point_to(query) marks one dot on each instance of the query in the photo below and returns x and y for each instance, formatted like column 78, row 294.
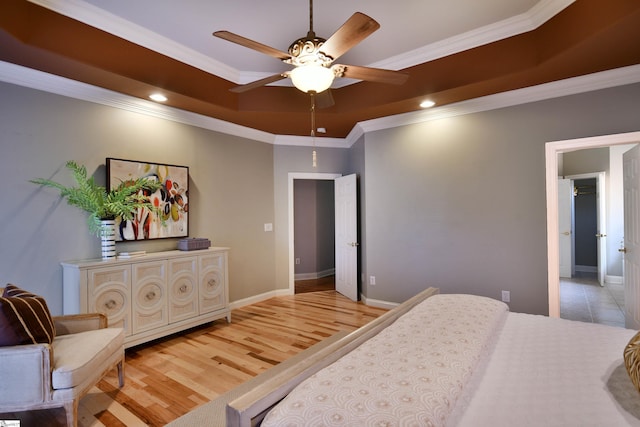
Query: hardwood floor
column 327, row 283
column 169, row 378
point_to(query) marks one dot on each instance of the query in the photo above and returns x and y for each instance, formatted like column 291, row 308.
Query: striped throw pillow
column 24, row 318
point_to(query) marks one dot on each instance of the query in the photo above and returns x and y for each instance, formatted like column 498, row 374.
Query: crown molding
column 27, row 77
column 113, row 24
column 127, row 30
column 34, row 79
column 528, row 21
column 587, row 83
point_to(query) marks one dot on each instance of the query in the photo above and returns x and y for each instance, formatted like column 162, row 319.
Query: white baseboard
column 378, row 303
column 587, row 268
column 259, row 298
column 316, row 275
column 283, row 292
column 616, row 280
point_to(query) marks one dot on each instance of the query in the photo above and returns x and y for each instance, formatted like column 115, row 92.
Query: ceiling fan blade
column 243, row 41
column 258, row 83
column 324, row 99
column 374, row 74
column 352, row 32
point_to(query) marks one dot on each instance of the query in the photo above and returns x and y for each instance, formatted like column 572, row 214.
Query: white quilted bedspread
column 410, row 374
column 552, row 372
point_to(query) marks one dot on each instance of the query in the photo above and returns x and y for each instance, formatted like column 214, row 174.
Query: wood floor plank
column 170, row 377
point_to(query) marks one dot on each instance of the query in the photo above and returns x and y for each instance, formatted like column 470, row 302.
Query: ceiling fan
column 313, row 57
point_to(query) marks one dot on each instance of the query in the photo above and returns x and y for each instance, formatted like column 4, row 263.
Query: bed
column 456, row 360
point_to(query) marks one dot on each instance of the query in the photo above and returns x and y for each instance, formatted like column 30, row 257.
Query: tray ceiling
column 452, row 51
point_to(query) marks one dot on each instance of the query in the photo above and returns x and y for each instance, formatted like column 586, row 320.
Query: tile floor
column 583, row 299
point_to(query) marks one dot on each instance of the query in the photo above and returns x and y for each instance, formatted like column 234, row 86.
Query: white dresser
column 151, row 296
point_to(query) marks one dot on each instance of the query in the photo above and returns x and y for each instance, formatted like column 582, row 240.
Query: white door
column 601, row 234
column 631, row 182
column 346, row 225
column 565, row 220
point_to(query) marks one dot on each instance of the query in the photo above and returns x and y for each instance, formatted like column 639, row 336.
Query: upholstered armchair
column 42, row 375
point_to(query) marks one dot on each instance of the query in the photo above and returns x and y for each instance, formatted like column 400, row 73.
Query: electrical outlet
column 506, row 296
column 297, row 261
column 372, row 280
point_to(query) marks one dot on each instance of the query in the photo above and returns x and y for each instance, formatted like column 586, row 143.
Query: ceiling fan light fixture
column 312, row 57
column 312, row 78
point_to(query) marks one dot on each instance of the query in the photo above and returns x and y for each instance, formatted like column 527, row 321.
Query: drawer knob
column 110, row 304
column 150, row 296
column 183, row 289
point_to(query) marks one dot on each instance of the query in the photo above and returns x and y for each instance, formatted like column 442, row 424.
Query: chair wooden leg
column 121, row 373
column 71, row 410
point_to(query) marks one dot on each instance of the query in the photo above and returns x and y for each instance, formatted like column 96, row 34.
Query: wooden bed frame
column 250, row 408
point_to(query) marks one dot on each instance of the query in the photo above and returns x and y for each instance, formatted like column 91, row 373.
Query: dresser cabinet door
column 212, row 282
column 108, row 293
column 153, row 296
column 183, row 289
column 149, row 295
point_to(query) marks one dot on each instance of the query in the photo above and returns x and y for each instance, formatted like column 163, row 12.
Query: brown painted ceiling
column 588, row 36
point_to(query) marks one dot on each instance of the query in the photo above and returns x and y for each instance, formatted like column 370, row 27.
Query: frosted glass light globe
column 312, row 78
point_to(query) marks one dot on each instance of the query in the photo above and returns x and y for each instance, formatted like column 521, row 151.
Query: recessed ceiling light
column 158, row 97
column 427, row 104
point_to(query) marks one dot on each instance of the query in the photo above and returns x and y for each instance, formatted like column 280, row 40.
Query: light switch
column 268, row 227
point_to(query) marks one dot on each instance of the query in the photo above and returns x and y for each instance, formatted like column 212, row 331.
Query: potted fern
column 104, row 205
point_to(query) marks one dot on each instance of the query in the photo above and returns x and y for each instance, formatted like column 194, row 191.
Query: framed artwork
column 172, row 199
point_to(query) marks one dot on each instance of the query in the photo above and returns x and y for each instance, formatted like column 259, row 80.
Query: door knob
column 601, row 235
column 353, row 244
column 623, row 250
column 566, row 233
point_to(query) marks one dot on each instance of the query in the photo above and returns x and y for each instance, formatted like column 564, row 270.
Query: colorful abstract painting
column 172, row 200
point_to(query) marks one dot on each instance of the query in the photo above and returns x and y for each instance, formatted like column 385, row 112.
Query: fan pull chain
column 314, row 159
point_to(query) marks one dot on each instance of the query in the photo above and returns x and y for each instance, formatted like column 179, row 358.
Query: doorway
column 585, row 218
column 346, row 231
column 582, row 219
column 585, row 295
column 552, row 149
column 292, row 178
column 314, row 235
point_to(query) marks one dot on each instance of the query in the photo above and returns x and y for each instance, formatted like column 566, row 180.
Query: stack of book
column 134, row 254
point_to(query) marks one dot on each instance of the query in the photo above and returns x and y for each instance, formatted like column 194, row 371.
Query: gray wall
column 459, row 203
column 325, row 227
column 304, row 230
column 288, row 159
column 585, row 161
column 314, row 226
column 39, row 132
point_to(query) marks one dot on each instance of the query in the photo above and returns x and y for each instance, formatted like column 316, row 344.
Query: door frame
column 291, row 177
column 552, row 149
